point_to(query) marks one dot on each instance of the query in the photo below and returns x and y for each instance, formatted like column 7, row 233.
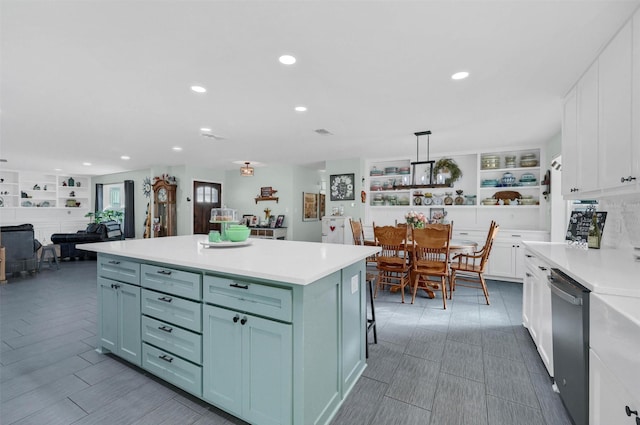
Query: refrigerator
column 337, row 229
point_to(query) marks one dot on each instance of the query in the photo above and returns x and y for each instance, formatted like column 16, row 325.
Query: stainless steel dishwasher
column 570, row 324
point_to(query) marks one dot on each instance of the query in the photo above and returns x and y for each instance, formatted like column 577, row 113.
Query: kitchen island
column 272, row 331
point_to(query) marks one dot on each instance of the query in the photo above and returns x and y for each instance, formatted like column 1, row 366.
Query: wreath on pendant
column 447, row 166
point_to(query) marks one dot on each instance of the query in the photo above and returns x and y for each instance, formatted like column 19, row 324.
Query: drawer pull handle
column 464, row 233
column 164, row 272
column 236, row 318
column 165, row 328
column 544, row 269
column 166, row 358
column 243, row 321
column 114, row 262
column 235, row 285
column 529, row 274
column 630, row 412
column 165, row 299
column 529, row 256
column 516, row 236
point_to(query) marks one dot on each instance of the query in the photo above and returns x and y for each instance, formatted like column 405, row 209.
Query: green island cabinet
column 265, row 351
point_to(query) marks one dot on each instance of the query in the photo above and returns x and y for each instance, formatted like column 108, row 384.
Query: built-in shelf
column 267, row 198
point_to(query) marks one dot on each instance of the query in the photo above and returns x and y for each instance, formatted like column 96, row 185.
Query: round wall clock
column 146, row 187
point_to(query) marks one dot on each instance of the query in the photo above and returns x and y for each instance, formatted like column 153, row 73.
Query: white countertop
column 603, row 271
column 280, row 260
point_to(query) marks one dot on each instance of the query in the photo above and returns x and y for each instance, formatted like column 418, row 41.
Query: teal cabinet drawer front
column 174, row 310
column 175, row 282
column 165, row 336
column 180, row 373
column 249, row 297
column 120, row 270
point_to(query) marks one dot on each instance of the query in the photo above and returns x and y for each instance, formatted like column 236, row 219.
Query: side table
column 49, row 253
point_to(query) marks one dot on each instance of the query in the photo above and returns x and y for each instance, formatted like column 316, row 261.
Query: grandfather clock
column 164, row 201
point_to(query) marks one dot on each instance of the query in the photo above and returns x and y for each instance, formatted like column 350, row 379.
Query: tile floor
column 469, row 364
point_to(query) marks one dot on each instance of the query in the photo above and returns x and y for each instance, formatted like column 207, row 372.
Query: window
column 206, row 195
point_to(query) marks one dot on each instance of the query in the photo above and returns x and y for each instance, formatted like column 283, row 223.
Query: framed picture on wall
column 309, row 206
column 341, row 187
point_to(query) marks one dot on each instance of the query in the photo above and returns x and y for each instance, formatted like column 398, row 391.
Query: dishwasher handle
column 562, row 294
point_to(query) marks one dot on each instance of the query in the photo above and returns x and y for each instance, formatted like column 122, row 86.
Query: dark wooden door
column 205, row 196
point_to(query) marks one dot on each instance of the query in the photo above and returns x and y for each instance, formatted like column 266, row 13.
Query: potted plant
column 106, row 215
column 446, row 171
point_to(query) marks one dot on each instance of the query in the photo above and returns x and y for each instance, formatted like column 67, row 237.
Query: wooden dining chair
column 358, row 239
column 470, row 268
column 431, row 256
column 391, row 261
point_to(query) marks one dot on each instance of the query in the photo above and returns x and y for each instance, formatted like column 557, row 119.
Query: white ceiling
column 94, row 80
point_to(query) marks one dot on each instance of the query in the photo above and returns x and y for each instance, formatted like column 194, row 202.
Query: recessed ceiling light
column 125, row 157
column 198, row 89
column 301, row 109
column 57, row 169
column 86, row 163
column 460, row 75
column 177, row 148
column 287, row 60
column 205, row 130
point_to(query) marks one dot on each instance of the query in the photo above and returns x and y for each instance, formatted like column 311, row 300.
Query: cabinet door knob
column 236, row 318
column 630, row 412
column 544, row 269
column 244, row 320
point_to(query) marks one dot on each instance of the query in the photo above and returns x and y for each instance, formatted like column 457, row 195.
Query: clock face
column 162, row 195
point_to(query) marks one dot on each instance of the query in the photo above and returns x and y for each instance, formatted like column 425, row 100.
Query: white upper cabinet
column 587, row 129
column 601, row 122
column 569, row 144
column 614, row 110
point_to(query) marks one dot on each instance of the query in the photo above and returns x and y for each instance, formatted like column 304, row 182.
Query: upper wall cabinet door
column 615, row 88
column 587, row 130
column 635, row 107
column 569, row 145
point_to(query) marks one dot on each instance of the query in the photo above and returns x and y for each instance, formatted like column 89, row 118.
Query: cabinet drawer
column 175, row 282
column 172, row 369
column 165, row 336
column 174, row 310
column 250, row 297
column 120, row 270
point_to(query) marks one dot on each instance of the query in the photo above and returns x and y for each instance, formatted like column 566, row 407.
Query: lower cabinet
column 506, row 260
column 536, row 307
column 172, row 368
column 608, row 398
column 119, row 319
column 247, row 365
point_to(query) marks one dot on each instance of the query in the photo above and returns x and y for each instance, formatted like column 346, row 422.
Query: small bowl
column 238, row 234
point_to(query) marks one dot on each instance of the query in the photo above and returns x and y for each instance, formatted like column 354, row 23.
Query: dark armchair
column 21, row 248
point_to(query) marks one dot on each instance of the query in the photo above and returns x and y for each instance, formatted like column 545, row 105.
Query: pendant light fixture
column 246, row 171
column 425, row 178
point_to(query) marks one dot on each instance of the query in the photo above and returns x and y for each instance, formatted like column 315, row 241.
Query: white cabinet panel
column 569, row 144
column 587, row 130
column 608, row 399
column 614, row 89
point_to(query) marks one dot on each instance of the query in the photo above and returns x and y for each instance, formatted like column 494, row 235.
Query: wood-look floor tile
column 395, row 412
column 509, row 380
column 63, row 412
column 467, row 332
column 503, row 412
column 415, row 381
column 459, row 401
column 44, row 346
column 129, row 404
column 101, row 371
column 170, row 412
column 464, row 360
column 24, row 383
column 39, row 398
column 551, row 405
column 108, row 390
column 362, row 403
column 92, row 356
column 383, row 361
column 427, row 344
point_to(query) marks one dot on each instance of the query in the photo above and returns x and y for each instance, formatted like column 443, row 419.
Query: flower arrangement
column 416, row 219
